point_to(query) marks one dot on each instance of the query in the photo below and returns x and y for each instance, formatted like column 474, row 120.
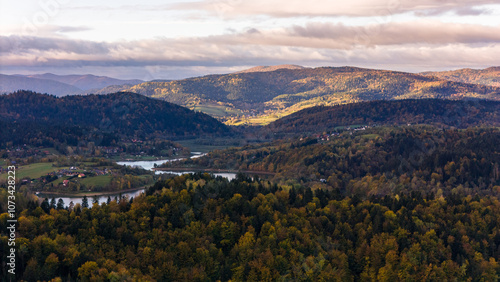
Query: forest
column 488, row 76
column 200, row 228
column 374, row 191
column 258, row 98
column 375, row 161
column 438, row 112
column 109, row 116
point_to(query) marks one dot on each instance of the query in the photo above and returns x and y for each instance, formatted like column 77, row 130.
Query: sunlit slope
column 261, row 97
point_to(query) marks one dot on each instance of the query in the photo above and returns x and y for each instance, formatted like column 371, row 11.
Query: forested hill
column 489, row 76
column 293, row 85
column 120, row 113
column 450, row 113
column 276, row 93
column 376, row 161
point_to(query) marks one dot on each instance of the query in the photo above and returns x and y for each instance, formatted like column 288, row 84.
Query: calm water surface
column 149, row 165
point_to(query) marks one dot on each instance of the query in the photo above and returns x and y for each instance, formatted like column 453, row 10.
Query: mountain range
column 61, row 85
column 11, row 83
column 260, row 95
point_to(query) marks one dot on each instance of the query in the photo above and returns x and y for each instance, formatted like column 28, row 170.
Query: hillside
column 261, row 97
column 489, row 76
column 460, row 114
column 383, row 159
column 122, row 115
column 11, row 83
column 109, row 89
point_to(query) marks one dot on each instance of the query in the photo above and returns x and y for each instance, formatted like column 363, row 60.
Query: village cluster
column 352, row 129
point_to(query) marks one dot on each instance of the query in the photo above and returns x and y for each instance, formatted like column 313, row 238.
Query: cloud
column 311, row 35
column 396, row 33
column 223, row 51
column 65, row 29
column 315, row 8
column 29, row 44
column 416, row 44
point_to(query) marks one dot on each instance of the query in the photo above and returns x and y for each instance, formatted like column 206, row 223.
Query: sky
column 177, row 39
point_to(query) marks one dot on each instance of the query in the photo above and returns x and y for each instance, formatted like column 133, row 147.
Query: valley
column 247, row 176
column 276, row 140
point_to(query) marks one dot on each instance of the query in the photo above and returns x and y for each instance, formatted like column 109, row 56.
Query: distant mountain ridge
column 61, row 85
column 263, row 94
column 272, row 68
column 261, row 97
column 86, row 81
column 11, row 83
column 489, row 76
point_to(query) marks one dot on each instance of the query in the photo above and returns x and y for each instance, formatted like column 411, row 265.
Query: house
column 65, row 182
column 81, row 175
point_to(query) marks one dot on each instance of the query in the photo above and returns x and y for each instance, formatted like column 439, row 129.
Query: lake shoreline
column 212, row 170
column 90, row 193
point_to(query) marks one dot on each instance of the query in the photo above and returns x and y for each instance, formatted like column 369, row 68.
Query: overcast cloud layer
column 176, row 40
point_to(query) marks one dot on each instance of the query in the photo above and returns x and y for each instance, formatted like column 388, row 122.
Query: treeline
column 377, row 161
column 197, row 228
column 446, row 113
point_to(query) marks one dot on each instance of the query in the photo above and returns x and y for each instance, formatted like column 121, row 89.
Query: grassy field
column 96, row 181
column 59, row 180
column 258, row 120
column 217, row 110
column 35, row 170
column 370, row 136
column 263, row 119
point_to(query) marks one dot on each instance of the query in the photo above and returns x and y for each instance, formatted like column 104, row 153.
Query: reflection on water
column 101, row 199
column 146, row 164
column 149, row 165
column 229, row 176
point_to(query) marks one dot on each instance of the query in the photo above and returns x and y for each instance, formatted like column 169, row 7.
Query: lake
column 101, row 199
column 149, row 165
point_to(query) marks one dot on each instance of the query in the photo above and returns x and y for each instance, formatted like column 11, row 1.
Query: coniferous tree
column 45, row 205
column 60, row 204
column 53, row 203
column 85, row 202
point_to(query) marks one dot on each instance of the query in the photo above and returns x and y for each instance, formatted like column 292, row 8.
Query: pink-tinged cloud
column 352, row 8
column 418, row 45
